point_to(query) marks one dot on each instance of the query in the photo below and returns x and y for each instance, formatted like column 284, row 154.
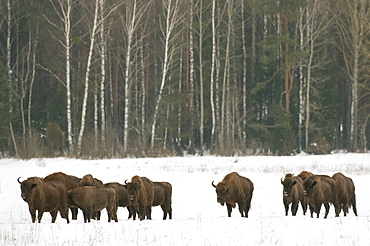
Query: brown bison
column 235, row 189
column 141, row 195
column 321, row 189
column 163, row 198
column 345, row 193
column 304, row 175
column 70, row 182
column 293, row 194
column 89, row 180
column 121, row 195
column 44, row 196
column 90, row 199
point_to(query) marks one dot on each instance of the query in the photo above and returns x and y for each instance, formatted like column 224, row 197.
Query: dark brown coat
column 345, row 193
column 90, row 199
column 121, row 195
column 305, row 174
column 70, row 182
column 163, row 198
column 235, row 189
column 141, row 195
column 293, row 194
column 321, row 189
column 44, row 196
column 89, row 180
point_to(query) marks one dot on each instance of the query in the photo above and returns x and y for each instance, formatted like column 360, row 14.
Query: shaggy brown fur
column 90, row 199
column 70, row 182
column 44, row 196
column 163, row 198
column 235, row 189
column 293, row 194
column 345, row 193
column 321, row 189
column 141, row 195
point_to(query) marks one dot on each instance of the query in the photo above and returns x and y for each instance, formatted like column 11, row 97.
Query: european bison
column 121, row 195
column 321, row 189
column 89, row 180
column 90, row 199
column 44, row 196
column 293, row 194
column 304, row 175
column 235, row 189
column 70, row 182
column 345, row 193
column 141, row 195
column 163, row 198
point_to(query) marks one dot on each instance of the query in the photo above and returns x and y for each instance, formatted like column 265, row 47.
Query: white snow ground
column 197, row 218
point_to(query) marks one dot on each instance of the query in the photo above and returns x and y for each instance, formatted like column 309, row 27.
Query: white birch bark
column 103, row 74
column 213, row 66
column 172, row 8
column 87, row 75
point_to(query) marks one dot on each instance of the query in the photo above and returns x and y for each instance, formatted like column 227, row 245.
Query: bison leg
column 53, row 215
column 294, row 208
column 353, row 203
column 229, row 209
column 33, row 214
column 149, row 212
column 241, row 209
column 286, row 205
column 74, row 212
column 327, row 207
column 304, row 207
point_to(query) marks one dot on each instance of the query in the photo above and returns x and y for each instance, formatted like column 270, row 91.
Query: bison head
column 309, row 185
column 133, row 190
column 87, row 180
column 26, row 188
column 222, row 190
column 288, row 184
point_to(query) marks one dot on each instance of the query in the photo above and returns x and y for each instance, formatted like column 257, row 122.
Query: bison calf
column 90, row 199
column 44, row 196
column 293, row 194
column 235, row 189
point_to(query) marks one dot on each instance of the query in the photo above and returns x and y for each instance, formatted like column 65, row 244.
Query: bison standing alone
column 235, row 189
column 293, row 194
column 44, row 196
column 345, row 193
column 90, row 199
column 70, row 182
column 141, row 195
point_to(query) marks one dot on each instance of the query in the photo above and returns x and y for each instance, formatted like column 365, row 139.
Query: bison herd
column 59, row 191
column 306, row 188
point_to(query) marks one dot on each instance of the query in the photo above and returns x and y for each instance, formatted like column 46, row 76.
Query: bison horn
column 18, row 180
column 213, row 184
column 126, row 181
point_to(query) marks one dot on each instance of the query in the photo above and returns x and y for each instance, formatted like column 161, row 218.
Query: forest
column 137, row 78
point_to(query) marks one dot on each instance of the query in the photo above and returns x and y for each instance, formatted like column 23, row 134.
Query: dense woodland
column 120, row 78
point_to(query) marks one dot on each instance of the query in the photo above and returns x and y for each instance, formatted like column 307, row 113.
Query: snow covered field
column 197, row 218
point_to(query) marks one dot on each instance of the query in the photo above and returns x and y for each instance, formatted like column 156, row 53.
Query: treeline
column 100, row 79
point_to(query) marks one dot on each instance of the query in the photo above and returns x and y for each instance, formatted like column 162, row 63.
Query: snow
column 197, row 218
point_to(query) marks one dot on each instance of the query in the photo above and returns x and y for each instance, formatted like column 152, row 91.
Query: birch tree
column 87, row 76
column 63, row 9
column 132, row 21
column 352, row 19
column 170, row 33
